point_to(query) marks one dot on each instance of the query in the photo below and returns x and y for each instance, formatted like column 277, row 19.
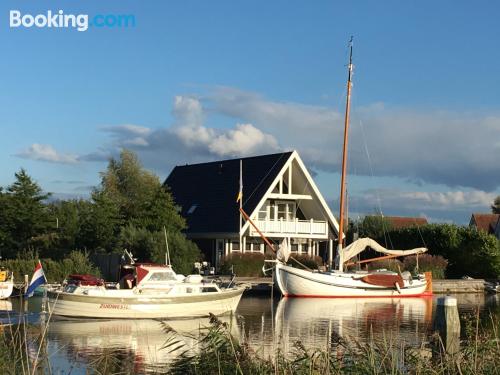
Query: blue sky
column 197, row 80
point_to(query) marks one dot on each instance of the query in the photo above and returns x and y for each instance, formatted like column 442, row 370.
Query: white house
column 279, row 195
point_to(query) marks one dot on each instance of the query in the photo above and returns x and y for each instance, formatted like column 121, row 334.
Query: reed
column 217, row 351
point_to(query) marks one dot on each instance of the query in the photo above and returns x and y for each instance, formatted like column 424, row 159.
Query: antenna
column 167, row 254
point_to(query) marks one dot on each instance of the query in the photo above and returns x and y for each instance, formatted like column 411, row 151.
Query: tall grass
column 217, row 351
column 221, row 353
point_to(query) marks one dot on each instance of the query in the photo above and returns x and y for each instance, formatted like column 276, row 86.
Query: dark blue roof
column 207, row 192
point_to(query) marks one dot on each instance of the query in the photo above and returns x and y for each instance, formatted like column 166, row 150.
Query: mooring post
column 26, row 283
column 447, row 324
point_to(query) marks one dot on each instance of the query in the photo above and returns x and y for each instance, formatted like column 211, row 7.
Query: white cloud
column 245, row 139
column 442, row 147
column 456, row 205
column 128, row 134
column 433, row 147
column 188, row 111
column 46, row 153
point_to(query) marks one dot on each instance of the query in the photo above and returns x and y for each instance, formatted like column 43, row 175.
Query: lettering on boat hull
column 113, row 306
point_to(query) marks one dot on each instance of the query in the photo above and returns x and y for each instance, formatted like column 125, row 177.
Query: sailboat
column 296, row 282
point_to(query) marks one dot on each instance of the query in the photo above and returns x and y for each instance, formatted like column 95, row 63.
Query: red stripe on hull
column 425, row 294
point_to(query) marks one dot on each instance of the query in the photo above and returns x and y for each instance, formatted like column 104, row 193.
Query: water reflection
column 266, row 325
column 141, row 342
column 319, row 323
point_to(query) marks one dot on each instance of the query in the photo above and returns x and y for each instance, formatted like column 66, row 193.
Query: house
column 398, row 222
column 279, row 195
column 485, row 222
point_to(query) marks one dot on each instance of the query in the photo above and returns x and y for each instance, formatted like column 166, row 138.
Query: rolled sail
column 360, row 245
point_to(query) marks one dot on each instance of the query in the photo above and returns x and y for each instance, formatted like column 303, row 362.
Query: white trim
column 317, row 192
column 279, row 179
column 289, row 196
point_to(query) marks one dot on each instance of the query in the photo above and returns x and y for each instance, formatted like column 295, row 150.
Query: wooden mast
column 344, row 155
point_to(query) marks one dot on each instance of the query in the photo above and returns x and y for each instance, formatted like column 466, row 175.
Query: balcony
column 293, row 228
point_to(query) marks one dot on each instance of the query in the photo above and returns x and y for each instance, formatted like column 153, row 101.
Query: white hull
column 294, row 282
column 123, row 304
column 6, row 288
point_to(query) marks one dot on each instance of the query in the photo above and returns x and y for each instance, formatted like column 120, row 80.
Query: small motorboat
column 149, row 291
column 6, row 283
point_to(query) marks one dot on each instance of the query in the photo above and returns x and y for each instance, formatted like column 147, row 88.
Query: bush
column 243, row 264
column 388, row 264
column 312, row 262
column 427, row 263
column 55, row 271
column 468, row 251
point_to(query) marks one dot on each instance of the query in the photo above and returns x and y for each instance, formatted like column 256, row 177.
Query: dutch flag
column 37, row 280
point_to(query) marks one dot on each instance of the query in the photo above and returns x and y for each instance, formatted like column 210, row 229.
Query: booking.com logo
column 59, row 19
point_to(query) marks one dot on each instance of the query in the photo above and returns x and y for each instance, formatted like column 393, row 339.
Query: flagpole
column 240, row 195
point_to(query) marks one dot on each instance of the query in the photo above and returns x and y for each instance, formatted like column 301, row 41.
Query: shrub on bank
column 55, row 270
column 468, row 251
column 312, row 262
column 394, row 265
column 426, row 263
column 250, row 264
column 243, row 264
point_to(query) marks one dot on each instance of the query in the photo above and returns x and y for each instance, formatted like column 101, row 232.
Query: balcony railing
column 309, row 228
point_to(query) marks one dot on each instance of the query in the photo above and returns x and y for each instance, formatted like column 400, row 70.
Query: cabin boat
column 6, row 283
column 152, row 291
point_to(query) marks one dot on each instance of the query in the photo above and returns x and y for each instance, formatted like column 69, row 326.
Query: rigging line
column 262, row 180
column 420, row 233
column 314, row 200
column 379, row 202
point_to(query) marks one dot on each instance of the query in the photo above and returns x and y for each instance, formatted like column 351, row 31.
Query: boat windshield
column 162, row 276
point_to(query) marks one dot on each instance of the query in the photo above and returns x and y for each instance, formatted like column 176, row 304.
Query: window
column 285, row 211
column 235, row 245
column 264, row 211
column 161, row 276
column 294, row 248
column 208, row 289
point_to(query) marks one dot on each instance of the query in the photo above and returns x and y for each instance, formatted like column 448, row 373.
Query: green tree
column 4, row 224
column 100, row 223
column 375, row 227
column 495, row 207
column 151, row 246
column 24, row 213
column 139, row 195
column 135, row 207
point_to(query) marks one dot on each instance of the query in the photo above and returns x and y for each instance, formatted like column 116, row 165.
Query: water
column 265, row 324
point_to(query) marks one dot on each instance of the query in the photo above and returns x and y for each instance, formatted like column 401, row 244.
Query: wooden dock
column 458, row 286
column 265, row 284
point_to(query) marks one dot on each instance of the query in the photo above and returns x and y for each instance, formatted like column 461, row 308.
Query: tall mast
column 344, row 154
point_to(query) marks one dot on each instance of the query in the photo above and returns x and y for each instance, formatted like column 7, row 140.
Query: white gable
column 294, row 182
